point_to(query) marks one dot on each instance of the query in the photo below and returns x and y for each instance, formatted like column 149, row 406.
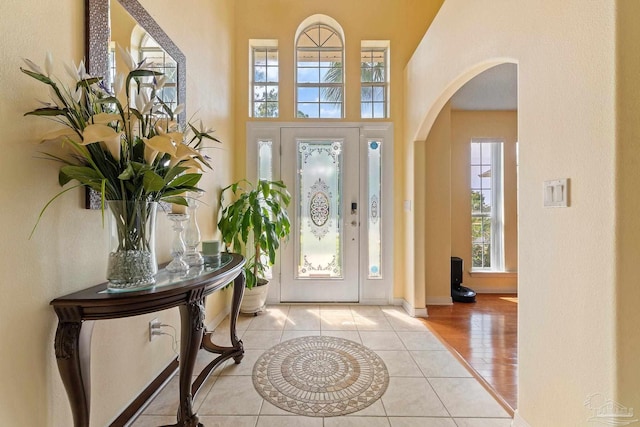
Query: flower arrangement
column 124, row 151
column 129, row 151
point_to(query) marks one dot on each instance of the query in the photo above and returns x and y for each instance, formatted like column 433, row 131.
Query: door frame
column 371, row 291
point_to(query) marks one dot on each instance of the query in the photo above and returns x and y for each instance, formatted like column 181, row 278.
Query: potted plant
column 254, row 224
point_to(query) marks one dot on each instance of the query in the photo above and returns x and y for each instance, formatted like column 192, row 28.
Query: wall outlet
column 154, row 328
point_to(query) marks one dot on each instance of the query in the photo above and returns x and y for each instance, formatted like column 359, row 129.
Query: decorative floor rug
column 320, row 376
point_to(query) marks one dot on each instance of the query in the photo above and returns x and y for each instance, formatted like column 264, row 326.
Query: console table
column 77, row 312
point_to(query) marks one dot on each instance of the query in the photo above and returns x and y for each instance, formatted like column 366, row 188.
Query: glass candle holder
column 192, row 233
column 177, row 264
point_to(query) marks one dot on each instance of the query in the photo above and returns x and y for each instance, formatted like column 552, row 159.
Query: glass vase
column 132, row 257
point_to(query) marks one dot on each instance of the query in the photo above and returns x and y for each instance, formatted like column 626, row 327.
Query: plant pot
column 255, row 299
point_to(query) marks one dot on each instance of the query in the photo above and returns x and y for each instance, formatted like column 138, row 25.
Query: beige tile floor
column 428, row 387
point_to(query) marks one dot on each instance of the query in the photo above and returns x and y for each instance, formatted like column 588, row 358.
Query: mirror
column 133, row 19
column 135, row 29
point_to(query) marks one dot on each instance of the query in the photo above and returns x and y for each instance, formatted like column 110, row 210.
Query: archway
column 482, row 108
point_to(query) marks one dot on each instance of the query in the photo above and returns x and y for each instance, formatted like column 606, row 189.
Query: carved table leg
column 192, row 327
column 73, row 352
column 238, row 291
column 236, row 350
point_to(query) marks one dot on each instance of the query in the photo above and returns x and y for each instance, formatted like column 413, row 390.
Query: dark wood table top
column 171, row 290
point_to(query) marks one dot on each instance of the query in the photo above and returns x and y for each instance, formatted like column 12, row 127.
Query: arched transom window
column 320, row 73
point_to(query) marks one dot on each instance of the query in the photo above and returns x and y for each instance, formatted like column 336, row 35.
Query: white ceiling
column 493, row 89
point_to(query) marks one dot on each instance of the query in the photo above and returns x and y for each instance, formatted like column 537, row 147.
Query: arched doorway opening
column 465, row 193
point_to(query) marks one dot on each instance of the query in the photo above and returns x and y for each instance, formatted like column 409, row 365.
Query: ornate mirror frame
column 98, row 36
column 97, row 32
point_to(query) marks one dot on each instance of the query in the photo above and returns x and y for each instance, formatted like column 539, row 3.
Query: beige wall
column 466, row 125
column 628, row 205
column 434, row 209
column 403, row 22
column 442, row 208
column 570, row 260
column 68, row 251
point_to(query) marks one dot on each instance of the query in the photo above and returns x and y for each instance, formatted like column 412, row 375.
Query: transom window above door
column 320, row 73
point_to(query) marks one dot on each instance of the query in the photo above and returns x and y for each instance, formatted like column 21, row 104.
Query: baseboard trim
column 139, row 404
column 218, row 319
column 518, row 421
column 481, row 290
column 439, row 301
column 413, row 311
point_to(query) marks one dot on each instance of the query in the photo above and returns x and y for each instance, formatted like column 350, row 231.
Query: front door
column 320, row 166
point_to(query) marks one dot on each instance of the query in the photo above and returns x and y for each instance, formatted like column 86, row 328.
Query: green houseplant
column 253, row 223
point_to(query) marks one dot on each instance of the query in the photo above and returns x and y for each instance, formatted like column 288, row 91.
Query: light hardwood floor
column 485, row 335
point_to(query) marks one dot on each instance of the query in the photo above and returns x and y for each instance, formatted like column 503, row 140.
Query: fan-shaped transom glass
column 320, row 73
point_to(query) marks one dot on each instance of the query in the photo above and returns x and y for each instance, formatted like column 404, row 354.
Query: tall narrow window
column 320, row 73
column 374, row 80
column 374, row 211
column 265, row 172
column 264, row 82
column 487, row 224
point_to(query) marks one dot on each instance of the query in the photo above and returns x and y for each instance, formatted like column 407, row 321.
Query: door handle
column 354, row 223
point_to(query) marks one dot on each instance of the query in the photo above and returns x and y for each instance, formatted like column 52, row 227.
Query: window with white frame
column 374, row 80
column 487, row 211
column 264, row 79
column 320, row 73
column 161, row 61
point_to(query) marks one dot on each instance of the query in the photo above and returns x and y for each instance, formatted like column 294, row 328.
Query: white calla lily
column 96, row 133
column 32, row 66
column 48, row 63
column 192, row 165
column 105, row 135
column 157, row 144
column 161, row 143
column 105, row 118
column 159, row 82
column 127, row 58
column 118, row 85
column 63, row 134
column 183, row 152
column 71, row 71
column 179, row 109
column 165, row 125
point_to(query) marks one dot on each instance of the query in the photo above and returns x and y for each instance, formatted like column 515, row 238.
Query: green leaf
column 127, row 174
column 152, row 182
column 177, row 200
column 173, row 172
column 143, row 73
column 38, row 76
column 87, row 82
column 47, row 111
column 82, row 174
column 188, row 179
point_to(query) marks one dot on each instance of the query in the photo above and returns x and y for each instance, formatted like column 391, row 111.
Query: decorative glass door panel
column 319, row 208
column 321, row 169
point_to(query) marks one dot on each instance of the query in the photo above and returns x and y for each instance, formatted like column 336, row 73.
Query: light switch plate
column 556, row 193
